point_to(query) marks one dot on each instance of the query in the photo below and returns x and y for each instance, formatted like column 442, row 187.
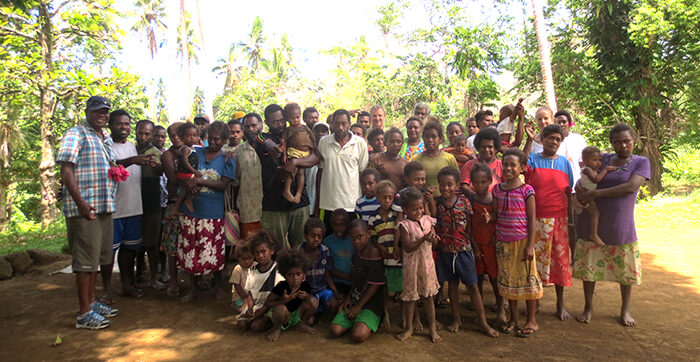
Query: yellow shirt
column 433, row 165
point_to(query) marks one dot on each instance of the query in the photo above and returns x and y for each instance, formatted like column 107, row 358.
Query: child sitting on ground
column 187, row 163
column 382, row 226
column 297, row 142
column 514, row 212
column 484, row 235
column 456, row 252
column 291, row 302
column 319, row 274
column 589, row 180
column 239, row 275
column 460, row 150
column 367, row 204
column 341, row 250
column 417, row 237
column 362, row 307
column 261, row 279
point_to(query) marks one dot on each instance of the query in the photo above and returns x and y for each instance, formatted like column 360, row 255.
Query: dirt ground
column 35, row 308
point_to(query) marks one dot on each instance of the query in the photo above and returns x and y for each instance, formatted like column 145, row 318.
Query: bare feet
column 562, row 314
column 404, row 335
column 417, row 324
column 488, row 330
column 434, row 336
column 302, row 327
column 596, row 239
column 586, row 316
column 438, row 325
column 386, row 324
column 155, row 284
column 454, row 326
column 627, row 320
column 189, row 296
column 272, row 336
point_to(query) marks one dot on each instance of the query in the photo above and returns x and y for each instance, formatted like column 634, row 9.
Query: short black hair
column 371, row 171
column 552, row 128
column 340, row 213
column 307, row 111
column 314, row 223
column 254, row 115
column 358, row 223
column 393, row 130
column 340, row 112
column 143, row 122
column 483, row 168
column 159, row 128
column 455, row 124
column 449, row 171
column 363, row 114
column 589, row 151
column 220, row 128
column 237, row 121
column 436, row 126
column 514, row 151
column 374, row 133
column 118, row 113
column 272, row 108
column 459, row 138
column 409, row 195
column 360, row 126
column 413, row 119
column 411, row 167
column 184, row 128
column 262, row 237
column 563, row 113
column 479, row 116
column 622, row 127
column 287, row 259
column 485, row 135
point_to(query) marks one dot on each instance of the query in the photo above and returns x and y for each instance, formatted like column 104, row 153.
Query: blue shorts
column 128, row 233
column 323, row 296
column 453, row 266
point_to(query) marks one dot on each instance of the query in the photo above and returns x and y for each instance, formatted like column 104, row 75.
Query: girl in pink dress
column 417, row 237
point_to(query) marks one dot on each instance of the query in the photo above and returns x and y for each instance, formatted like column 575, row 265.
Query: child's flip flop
column 521, row 332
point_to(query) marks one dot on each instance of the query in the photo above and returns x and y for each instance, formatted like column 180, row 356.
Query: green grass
column 667, row 211
column 30, row 236
column 681, row 169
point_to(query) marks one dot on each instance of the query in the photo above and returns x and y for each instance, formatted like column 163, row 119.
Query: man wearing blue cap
column 85, row 156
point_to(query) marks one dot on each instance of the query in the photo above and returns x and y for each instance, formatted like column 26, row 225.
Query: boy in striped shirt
column 367, row 205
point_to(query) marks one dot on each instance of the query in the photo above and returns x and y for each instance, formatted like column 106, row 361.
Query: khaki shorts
column 151, row 229
column 90, row 242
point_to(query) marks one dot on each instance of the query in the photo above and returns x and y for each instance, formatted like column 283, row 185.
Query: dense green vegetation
column 612, row 61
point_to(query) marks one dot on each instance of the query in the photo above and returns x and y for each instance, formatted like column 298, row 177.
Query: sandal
column 107, row 299
column 521, row 332
column 508, row 328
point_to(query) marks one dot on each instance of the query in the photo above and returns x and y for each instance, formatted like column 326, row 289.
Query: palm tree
column 545, row 56
column 253, row 48
column 161, row 110
column 187, row 52
column 151, row 18
column 230, row 67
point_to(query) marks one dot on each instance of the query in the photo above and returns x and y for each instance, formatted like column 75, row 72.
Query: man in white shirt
column 128, row 214
column 343, row 157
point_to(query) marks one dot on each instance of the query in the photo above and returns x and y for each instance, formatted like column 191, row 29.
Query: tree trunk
column 47, row 182
column 645, row 120
column 545, row 56
column 4, row 206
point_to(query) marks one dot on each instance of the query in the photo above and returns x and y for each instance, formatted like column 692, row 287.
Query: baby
column 589, row 180
column 297, row 142
column 244, row 255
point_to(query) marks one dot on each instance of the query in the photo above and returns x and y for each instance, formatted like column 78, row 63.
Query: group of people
column 343, row 217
